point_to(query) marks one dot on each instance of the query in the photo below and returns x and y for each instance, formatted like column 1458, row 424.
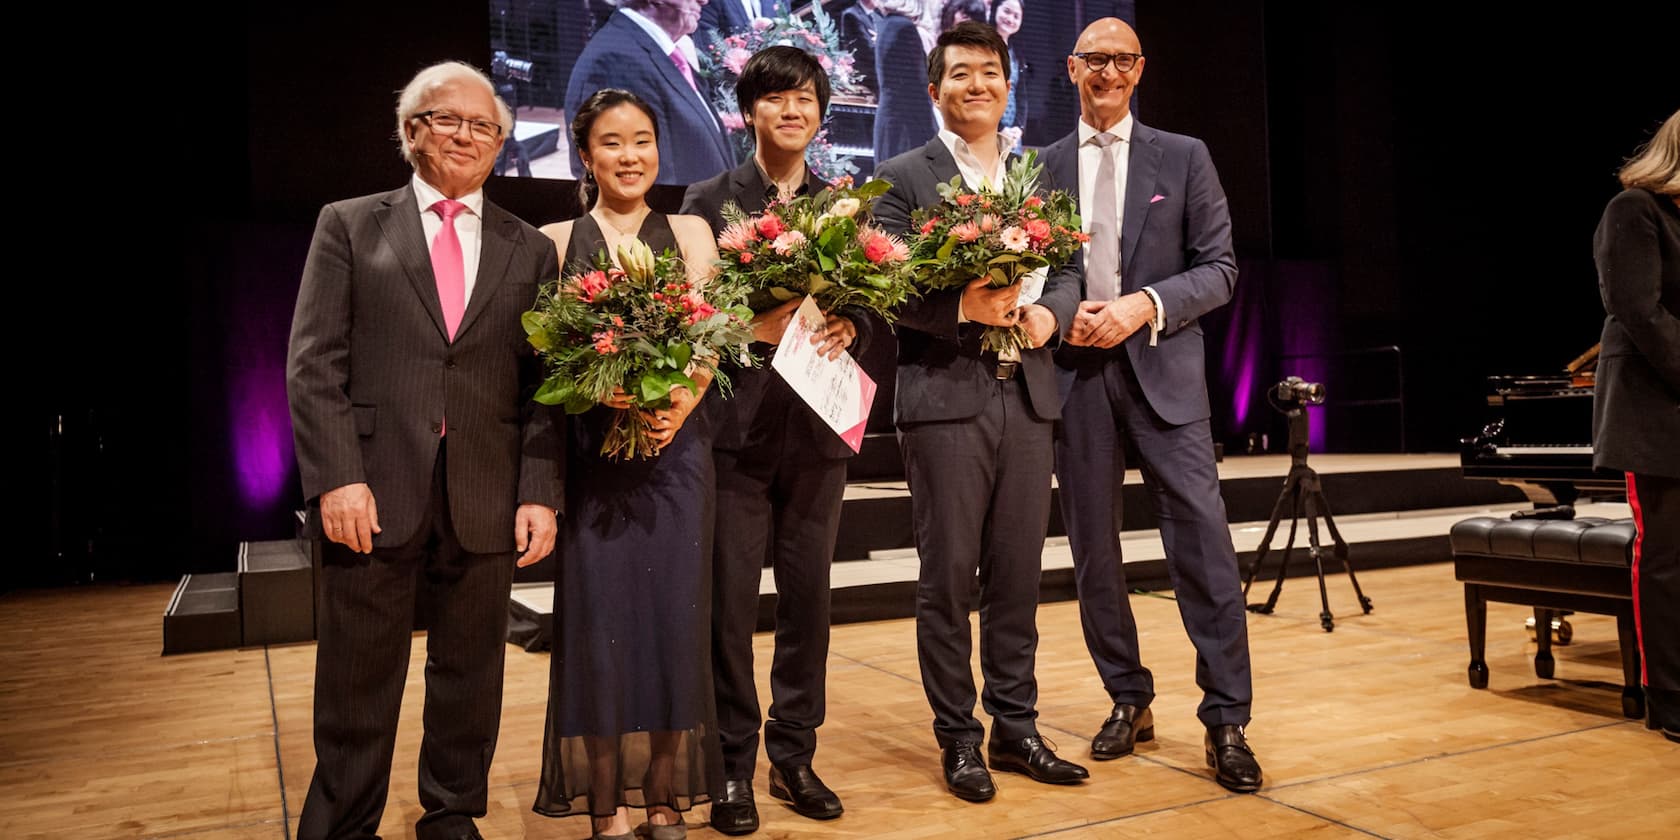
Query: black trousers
column 778, row 502
column 365, row 622
column 980, row 502
column 1656, row 590
column 1105, row 407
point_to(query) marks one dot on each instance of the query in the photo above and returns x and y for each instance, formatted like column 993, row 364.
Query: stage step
column 270, row 599
column 203, row 614
column 276, row 592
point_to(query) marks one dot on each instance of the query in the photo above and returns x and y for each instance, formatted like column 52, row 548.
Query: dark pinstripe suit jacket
column 371, row 374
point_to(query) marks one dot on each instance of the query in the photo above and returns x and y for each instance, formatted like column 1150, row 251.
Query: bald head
column 1104, row 30
column 1105, row 91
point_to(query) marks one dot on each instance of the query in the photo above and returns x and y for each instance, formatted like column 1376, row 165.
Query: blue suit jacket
column 692, row 144
column 1175, row 237
column 723, row 18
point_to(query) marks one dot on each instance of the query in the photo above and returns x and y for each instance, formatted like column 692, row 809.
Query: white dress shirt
column 974, row 171
column 1090, row 157
column 469, row 227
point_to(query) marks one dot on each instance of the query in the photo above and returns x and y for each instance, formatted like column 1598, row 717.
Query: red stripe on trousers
column 1638, row 541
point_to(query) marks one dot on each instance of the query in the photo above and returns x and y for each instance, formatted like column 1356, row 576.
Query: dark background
column 1425, row 177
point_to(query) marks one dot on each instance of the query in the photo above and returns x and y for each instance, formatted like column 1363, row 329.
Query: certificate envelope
column 838, row 390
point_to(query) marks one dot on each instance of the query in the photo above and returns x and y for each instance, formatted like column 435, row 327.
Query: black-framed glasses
column 1096, row 61
column 444, row 122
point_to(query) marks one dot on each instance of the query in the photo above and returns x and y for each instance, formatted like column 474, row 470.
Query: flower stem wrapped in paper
column 642, row 326
column 820, row 245
column 1003, row 235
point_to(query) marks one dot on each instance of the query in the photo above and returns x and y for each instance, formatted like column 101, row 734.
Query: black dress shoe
column 798, row 784
column 1033, row 758
column 1125, row 726
column 965, row 774
column 1232, row 761
column 734, row 813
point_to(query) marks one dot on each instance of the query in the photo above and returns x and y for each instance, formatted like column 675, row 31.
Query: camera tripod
column 1302, row 495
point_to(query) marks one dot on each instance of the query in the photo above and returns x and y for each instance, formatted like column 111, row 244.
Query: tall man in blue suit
column 1132, row 367
column 976, row 435
column 645, row 48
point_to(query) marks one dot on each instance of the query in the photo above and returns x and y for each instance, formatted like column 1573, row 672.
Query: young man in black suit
column 976, row 435
column 781, row 473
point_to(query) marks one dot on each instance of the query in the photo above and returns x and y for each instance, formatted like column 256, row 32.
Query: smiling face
column 622, row 153
column 1105, row 95
column 787, row 119
column 456, row 163
column 1008, row 18
column 973, row 92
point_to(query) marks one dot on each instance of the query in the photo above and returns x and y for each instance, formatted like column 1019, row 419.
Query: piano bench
column 1578, row 564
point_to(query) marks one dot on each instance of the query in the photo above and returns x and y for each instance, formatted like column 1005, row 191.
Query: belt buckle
column 1006, row 370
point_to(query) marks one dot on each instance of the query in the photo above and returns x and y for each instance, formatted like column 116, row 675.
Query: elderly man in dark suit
column 781, row 476
column 859, row 24
column 1159, row 257
column 427, row 468
column 646, row 48
column 976, row 435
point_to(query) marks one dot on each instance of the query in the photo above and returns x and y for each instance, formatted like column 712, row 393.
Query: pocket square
column 1157, row 197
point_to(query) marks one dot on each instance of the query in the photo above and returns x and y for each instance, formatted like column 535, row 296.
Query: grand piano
column 1538, row 438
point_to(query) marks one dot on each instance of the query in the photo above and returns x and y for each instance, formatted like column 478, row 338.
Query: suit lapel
column 942, row 166
column 399, row 221
column 1143, row 167
column 746, row 186
column 1061, row 163
column 686, row 97
column 498, row 237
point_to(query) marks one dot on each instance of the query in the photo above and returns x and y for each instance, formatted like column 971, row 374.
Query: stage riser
column 878, row 602
column 879, row 524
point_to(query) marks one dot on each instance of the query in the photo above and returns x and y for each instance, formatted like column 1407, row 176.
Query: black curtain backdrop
column 1423, row 177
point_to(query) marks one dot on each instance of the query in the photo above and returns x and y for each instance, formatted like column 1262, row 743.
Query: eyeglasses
column 444, row 122
column 1096, row 61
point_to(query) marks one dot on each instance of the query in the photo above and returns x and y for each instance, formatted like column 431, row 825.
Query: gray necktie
column 1102, row 263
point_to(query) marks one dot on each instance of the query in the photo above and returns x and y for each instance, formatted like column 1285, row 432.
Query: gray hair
column 413, row 97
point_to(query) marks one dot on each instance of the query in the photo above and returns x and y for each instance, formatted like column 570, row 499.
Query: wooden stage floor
column 1367, row 731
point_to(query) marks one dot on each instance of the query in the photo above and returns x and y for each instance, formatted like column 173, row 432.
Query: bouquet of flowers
column 642, row 326
column 723, row 59
column 816, row 244
column 1002, row 235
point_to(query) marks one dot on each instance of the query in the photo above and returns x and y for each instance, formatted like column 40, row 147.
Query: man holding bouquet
column 975, row 430
column 781, row 475
column 1159, row 257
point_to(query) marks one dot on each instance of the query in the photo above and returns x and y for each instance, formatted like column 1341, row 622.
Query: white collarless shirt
column 469, row 227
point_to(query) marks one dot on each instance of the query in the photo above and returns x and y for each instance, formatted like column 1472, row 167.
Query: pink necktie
column 448, row 267
column 682, row 67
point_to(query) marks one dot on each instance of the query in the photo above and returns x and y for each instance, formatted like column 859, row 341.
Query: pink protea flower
column 592, row 284
column 967, row 231
column 738, row 237
column 827, row 64
column 1014, row 238
column 988, row 222
column 788, row 242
